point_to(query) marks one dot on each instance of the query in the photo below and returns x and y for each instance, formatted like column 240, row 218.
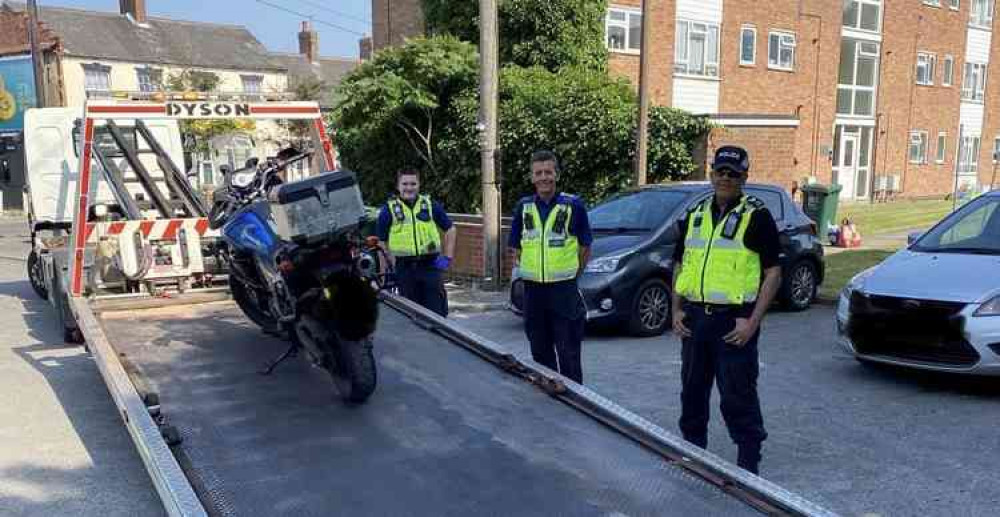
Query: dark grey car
column 627, row 282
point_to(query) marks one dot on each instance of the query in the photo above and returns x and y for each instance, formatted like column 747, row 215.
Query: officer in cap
column 412, row 224
column 725, row 277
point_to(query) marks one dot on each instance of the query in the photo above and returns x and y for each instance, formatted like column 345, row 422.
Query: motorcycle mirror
column 226, row 170
column 252, row 162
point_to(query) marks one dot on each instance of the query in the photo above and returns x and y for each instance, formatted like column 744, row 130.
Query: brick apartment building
column 876, row 95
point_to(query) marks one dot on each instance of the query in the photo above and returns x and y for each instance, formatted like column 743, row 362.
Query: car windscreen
column 974, row 228
column 639, row 211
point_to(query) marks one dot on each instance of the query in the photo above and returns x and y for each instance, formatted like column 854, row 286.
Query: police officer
column 550, row 237
column 725, row 278
column 412, row 224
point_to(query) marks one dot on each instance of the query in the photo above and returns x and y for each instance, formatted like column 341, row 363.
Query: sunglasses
column 729, row 173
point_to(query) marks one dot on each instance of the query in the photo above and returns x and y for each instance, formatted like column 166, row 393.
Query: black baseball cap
column 731, row 157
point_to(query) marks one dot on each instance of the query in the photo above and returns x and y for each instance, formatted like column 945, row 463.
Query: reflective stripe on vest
column 717, row 269
column 548, row 252
column 413, row 231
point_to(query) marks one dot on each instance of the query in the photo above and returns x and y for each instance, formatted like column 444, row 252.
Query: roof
column 110, row 35
column 329, row 70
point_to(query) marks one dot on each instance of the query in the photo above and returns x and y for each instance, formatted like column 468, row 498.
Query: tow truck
column 459, row 424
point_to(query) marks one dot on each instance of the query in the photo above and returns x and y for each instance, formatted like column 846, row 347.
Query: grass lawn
column 841, row 267
column 894, row 217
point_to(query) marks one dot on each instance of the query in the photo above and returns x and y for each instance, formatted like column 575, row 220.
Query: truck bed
column 446, row 433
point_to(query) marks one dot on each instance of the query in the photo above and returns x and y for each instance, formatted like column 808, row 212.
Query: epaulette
column 755, row 202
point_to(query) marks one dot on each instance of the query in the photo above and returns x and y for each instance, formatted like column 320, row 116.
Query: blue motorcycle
column 299, row 268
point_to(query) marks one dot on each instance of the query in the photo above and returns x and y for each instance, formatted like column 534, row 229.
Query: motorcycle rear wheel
column 353, row 370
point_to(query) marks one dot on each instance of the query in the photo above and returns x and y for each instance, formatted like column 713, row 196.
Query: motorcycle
column 299, row 268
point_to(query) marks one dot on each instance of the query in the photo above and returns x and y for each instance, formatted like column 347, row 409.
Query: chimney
column 365, row 45
column 309, row 42
column 134, row 8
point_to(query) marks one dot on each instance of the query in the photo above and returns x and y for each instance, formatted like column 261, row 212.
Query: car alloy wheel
column 654, row 307
column 803, row 286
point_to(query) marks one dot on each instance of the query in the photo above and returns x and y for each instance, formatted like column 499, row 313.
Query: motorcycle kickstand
column 292, row 351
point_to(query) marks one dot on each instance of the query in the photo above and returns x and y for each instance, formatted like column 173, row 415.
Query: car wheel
column 650, row 309
column 799, row 287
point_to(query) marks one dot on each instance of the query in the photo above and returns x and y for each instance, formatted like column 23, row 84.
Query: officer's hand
column 741, row 333
column 442, row 262
column 679, row 326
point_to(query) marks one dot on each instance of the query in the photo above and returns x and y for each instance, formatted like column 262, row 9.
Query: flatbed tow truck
column 457, row 426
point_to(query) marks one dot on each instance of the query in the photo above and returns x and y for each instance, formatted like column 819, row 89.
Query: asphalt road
column 63, row 448
column 856, row 439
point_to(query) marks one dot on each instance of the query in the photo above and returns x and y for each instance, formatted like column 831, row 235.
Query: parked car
column 934, row 305
column 627, row 281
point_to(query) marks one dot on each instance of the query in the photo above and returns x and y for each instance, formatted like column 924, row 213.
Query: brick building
column 876, row 95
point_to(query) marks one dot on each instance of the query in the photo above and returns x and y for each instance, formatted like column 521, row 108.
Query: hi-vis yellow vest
column 718, row 268
column 413, row 231
column 548, row 252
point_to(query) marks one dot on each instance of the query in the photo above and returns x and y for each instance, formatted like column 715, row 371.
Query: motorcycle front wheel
column 250, row 305
column 353, row 369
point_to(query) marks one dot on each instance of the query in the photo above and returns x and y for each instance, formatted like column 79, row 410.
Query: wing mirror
column 252, row 162
column 912, row 237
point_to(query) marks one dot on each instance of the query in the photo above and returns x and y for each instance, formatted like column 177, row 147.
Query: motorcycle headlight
column 990, row 308
column 604, row 264
column 243, row 179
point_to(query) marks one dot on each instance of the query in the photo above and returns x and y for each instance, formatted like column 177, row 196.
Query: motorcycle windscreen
column 248, row 232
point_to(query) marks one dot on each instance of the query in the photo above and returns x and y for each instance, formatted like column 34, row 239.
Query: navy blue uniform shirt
column 579, row 224
column 385, row 219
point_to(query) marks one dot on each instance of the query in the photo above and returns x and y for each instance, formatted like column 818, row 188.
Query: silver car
column 936, row 304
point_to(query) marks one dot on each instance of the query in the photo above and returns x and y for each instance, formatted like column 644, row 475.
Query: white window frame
column 251, row 79
column 929, row 62
column 996, row 148
column 955, row 5
column 948, row 71
column 968, row 148
column 682, row 62
column 933, row 3
column 857, row 25
column 858, row 53
column 628, row 12
column 783, row 37
column 753, row 59
column 147, row 72
column 978, row 17
column 942, row 148
column 976, row 91
column 919, row 139
column 94, row 71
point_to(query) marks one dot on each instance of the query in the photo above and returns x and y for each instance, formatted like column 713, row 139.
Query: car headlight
column 990, row 308
column 604, row 264
column 243, row 179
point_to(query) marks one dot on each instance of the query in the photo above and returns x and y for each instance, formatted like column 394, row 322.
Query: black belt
column 717, row 308
column 417, row 260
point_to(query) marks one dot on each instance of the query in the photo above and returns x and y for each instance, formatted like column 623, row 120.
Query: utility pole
column 36, row 56
column 488, row 42
column 643, row 137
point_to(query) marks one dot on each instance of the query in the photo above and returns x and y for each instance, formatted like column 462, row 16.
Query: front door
column 848, row 165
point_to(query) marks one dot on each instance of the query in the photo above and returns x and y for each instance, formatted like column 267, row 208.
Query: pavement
column 63, row 448
column 858, row 440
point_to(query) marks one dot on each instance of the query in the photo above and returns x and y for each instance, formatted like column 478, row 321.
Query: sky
column 340, row 23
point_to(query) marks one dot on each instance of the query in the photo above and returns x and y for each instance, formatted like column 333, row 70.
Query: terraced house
column 884, row 97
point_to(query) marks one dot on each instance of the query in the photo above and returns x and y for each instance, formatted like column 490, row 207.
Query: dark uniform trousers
column 554, row 317
column 420, row 281
column 707, row 357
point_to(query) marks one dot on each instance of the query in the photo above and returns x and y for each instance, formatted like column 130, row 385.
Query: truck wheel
column 36, row 276
column 650, row 314
column 353, row 370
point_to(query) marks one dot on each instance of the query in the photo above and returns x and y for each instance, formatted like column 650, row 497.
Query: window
column 771, row 199
column 925, row 68
column 856, row 82
column 697, row 51
column 933, row 3
column 968, row 155
column 996, row 148
column 974, row 82
column 918, row 147
column 954, row 4
column 97, row 79
column 624, row 30
column 948, row 75
column 252, row 84
column 981, row 14
column 862, row 15
column 781, row 51
column 149, row 79
column 942, row 147
column 748, row 46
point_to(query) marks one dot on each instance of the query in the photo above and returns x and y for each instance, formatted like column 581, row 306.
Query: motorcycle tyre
column 252, row 311
column 353, row 370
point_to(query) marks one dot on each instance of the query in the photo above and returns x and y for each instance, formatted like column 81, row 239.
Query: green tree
column 552, row 34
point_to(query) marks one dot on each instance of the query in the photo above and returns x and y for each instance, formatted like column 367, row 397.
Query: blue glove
column 442, row 262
